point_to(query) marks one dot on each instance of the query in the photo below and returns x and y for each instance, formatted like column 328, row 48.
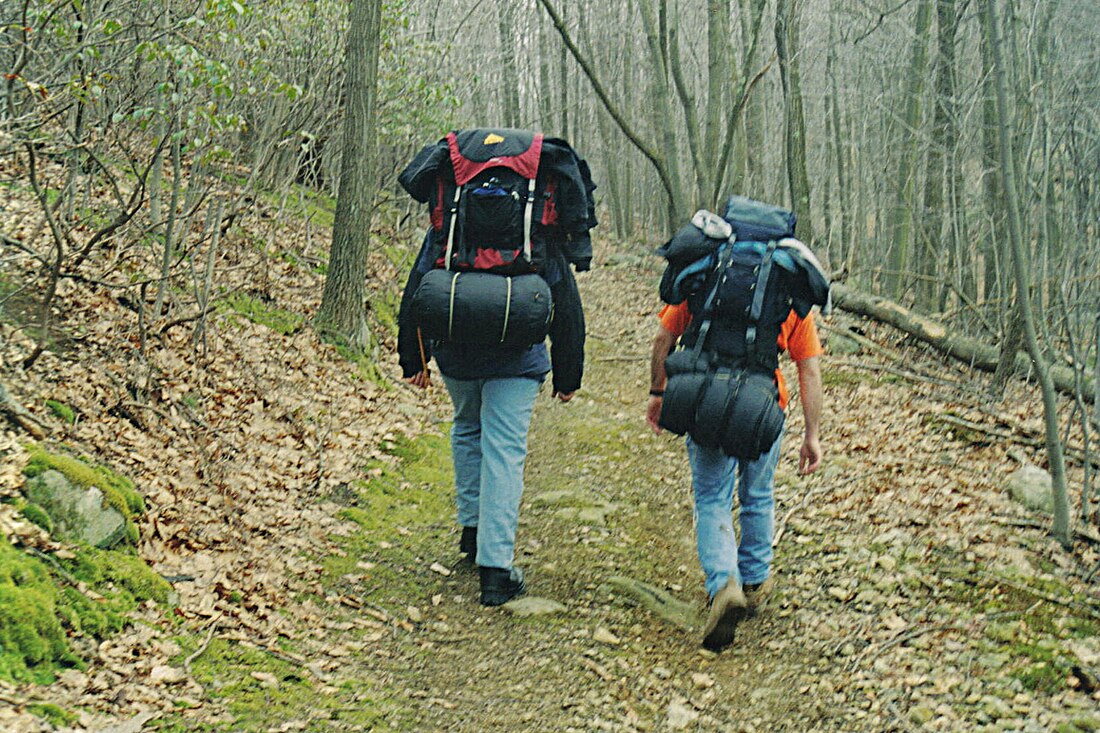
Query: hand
column 421, row 379
column 809, row 458
column 653, row 413
column 563, row 396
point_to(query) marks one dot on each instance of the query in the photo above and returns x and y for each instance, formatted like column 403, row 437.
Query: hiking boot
column 468, row 543
column 727, row 609
column 498, row 585
column 756, row 594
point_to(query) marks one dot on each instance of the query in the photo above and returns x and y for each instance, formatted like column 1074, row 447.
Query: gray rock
column 680, row 716
column 1030, row 486
column 841, row 344
column 533, row 606
column 78, row 513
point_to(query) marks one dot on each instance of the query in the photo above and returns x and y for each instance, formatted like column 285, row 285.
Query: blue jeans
column 489, row 447
column 713, row 476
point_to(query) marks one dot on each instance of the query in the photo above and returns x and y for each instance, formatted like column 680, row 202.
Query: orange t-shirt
column 797, row 336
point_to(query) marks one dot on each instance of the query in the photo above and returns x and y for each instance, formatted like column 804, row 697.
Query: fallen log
column 935, row 334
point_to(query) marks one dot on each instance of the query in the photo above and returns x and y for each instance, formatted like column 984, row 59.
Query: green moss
column 225, row 670
column 32, row 640
column 61, row 410
column 398, row 500
column 118, row 490
column 258, row 312
column 40, row 608
column 38, row 515
column 57, row 716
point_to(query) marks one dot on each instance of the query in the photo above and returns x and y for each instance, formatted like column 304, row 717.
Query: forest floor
column 302, row 507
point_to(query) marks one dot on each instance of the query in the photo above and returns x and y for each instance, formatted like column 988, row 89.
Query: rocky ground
column 302, row 508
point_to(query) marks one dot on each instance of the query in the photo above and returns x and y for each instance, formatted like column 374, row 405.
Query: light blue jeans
column 489, row 447
column 713, row 477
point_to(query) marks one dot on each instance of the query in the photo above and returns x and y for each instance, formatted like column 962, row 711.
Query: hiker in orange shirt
column 738, row 575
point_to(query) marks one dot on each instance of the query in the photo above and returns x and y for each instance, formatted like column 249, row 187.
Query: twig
column 993, row 579
column 903, row 373
column 202, row 647
column 1083, row 533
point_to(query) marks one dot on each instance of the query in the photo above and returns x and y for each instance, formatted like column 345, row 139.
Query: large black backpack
column 741, row 275
column 490, row 212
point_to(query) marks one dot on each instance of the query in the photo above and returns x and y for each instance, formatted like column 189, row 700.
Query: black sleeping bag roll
column 734, row 409
column 483, row 308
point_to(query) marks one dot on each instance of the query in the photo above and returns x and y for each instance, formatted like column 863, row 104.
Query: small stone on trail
column 604, row 636
column 266, row 679
column 662, row 673
column 162, row 674
column 702, row 680
column 438, row 568
column 533, row 606
column 680, row 716
column 414, row 614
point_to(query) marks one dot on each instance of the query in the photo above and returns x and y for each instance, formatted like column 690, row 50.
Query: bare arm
column 662, row 344
column 809, row 381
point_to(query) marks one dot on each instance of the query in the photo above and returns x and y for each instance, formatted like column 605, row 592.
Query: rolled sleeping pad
column 755, row 420
column 682, row 394
column 737, row 411
column 483, row 308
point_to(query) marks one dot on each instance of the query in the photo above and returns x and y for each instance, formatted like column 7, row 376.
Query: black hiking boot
column 498, row 585
column 468, row 543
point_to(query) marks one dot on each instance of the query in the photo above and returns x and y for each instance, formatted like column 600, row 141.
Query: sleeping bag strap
column 451, row 232
column 763, row 273
column 507, row 311
column 528, row 214
column 451, row 307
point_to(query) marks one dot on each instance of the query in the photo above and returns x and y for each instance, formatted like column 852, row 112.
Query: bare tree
column 342, row 314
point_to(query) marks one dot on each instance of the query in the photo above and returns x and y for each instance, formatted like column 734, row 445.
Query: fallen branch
column 20, row 416
column 935, row 334
column 903, row 373
column 818, row 490
column 1020, row 435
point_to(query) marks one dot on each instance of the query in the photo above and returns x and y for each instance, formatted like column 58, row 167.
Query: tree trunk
column 1061, row 529
column 509, row 82
column 900, row 226
column 786, row 47
column 934, row 247
column 342, row 314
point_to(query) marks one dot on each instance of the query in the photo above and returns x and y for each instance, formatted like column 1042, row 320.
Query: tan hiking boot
column 756, row 595
column 728, row 609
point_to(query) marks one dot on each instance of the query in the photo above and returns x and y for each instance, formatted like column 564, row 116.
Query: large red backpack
column 485, row 288
column 489, row 200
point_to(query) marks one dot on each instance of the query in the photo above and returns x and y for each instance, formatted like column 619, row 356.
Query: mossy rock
column 40, row 609
column 84, row 502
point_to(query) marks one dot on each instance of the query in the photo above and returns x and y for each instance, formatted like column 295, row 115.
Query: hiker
column 511, row 212
column 735, row 310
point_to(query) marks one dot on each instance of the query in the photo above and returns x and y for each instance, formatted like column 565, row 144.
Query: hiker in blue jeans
column 738, row 574
column 493, row 389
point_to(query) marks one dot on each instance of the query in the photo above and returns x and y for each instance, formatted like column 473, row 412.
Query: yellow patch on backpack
column 492, row 139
